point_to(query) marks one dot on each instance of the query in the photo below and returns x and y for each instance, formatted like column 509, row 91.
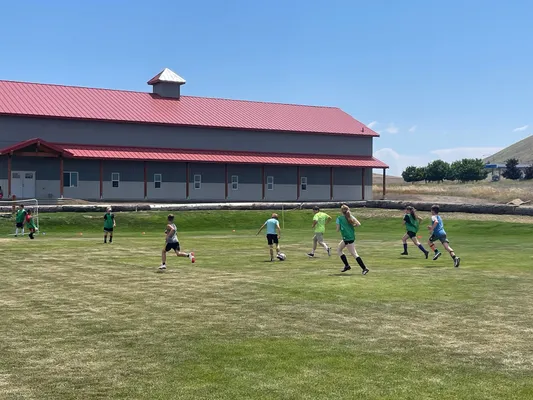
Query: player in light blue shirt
column 273, row 234
column 438, row 233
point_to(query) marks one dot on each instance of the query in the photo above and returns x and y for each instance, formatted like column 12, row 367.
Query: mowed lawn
column 84, row 320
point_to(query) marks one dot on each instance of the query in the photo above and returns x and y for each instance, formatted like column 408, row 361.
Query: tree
column 452, row 172
column 437, row 171
column 469, row 169
column 421, row 173
column 413, row 174
column 511, row 169
column 528, row 173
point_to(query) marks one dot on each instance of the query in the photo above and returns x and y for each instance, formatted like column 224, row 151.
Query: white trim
column 270, row 182
column 156, row 181
column 234, row 182
column 71, row 173
column 303, row 183
column 197, row 181
column 113, row 180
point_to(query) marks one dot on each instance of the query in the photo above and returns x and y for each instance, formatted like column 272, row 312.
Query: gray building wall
column 285, row 186
column 347, row 184
column 173, row 178
column 88, row 179
column 17, row 129
column 46, row 174
column 212, row 186
column 250, row 186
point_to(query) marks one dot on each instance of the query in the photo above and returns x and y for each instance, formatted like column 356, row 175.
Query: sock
column 422, row 248
column 345, row 260
column 454, row 256
column 16, row 231
column 405, row 247
column 436, row 251
column 361, row 263
column 111, row 239
column 105, row 239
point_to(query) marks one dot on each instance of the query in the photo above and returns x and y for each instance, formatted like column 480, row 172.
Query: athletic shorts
column 319, row 237
column 20, row 225
column 109, row 230
column 347, row 242
column 411, row 234
column 173, row 246
column 271, row 239
column 434, row 238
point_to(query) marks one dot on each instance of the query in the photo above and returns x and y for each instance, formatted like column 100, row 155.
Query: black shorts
column 20, row 225
column 172, row 246
column 411, row 234
column 443, row 239
column 347, row 242
column 272, row 239
column 109, row 230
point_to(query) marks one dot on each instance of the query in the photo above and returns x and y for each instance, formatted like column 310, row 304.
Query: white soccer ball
column 281, row 256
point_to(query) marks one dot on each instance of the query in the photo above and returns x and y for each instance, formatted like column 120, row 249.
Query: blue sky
column 438, row 79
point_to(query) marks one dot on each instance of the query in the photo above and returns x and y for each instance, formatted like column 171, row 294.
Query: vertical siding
column 88, row 179
column 249, row 183
column 212, row 182
column 285, row 183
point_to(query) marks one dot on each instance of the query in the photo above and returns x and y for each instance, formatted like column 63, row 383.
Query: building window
column 270, row 183
column 198, row 181
column 303, row 183
column 70, row 179
column 234, row 182
column 115, row 179
column 157, row 180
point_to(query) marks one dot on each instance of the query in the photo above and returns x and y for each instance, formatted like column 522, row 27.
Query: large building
column 98, row 144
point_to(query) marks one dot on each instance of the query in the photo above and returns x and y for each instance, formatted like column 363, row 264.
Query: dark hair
column 28, row 212
column 411, row 211
column 316, row 208
column 170, row 217
column 435, row 208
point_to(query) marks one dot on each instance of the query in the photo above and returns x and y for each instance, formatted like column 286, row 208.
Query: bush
column 437, row 171
column 413, row 174
column 469, row 169
column 511, row 169
column 528, row 173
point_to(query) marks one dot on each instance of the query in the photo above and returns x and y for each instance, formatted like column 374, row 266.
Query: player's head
column 108, row 209
column 275, row 216
column 316, row 209
column 435, row 209
column 170, row 218
column 28, row 212
column 345, row 209
column 22, row 206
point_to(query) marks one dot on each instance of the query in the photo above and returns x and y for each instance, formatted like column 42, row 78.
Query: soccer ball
column 281, row 257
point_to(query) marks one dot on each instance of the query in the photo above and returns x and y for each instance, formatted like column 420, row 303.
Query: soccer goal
column 11, row 207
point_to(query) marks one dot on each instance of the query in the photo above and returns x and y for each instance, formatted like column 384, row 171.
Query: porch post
column 226, row 181
column 298, row 185
column 145, row 181
column 101, row 179
column 263, row 182
column 331, row 183
column 187, row 177
column 61, row 179
column 362, row 183
column 384, row 183
column 9, row 176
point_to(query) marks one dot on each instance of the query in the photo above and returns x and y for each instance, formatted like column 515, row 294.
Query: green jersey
column 320, row 218
column 109, row 220
column 347, row 229
column 30, row 223
column 21, row 216
column 411, row 223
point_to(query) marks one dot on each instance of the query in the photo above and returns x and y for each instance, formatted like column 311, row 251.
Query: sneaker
column 310, row 254
column 191, row 256
column 437, row 255
column 329, row 251
column 456, row 262
column 162, row 267
column 365, row 271
column 347, row 268
column 404, row 253
column 426, row 254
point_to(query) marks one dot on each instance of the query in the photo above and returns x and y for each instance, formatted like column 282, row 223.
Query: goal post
column 8, row 210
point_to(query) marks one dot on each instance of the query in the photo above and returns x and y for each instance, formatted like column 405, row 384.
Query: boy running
column 172, row 243
column 109, row 225
column 320, row 220
column 438, row 233
column 345, row 225
column 20, row 218
column 273, row 234
column 30, row 223
column 412, row 223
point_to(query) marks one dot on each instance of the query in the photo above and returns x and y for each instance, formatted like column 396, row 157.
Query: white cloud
column 392, row 129
column 372, row 124
column 412, row 129
column 398, row 162
column 521, row 129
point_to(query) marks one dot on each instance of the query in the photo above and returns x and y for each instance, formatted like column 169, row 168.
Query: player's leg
column 110, row 236
column 315, row 241
column 105, row 236
column 456, row 260
column 180, row 253
column 167, row 247
column 431, row 243
column 404, row 242
column 320, row 239
column 340, row 252
column 419, row 245
column 353, row 252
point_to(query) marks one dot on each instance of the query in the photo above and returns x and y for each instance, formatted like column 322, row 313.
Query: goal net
column 8, row 212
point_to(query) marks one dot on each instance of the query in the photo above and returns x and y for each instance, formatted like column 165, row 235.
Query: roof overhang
column 38, row 145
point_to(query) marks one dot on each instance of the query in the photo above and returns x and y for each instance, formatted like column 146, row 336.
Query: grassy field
column 84, row 320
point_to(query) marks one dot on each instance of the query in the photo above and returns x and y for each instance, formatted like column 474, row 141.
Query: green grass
column 83, row 320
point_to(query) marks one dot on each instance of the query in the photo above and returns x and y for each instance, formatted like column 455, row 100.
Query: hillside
column 523, row 150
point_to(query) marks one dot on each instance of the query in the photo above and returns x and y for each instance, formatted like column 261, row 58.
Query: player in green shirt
column 320, row 220
column 346, row 224
column 20, row 218
column 109, row 225
column 412, row 223
column 30, row 223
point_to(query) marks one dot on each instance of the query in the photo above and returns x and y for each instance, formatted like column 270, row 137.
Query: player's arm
column 338, row 226
column 260, row 229
column 434, row 225
column 328, row 220
column 278, row 229
column 114, row 221
column 356, row 221
column 169, row 231
column 314, row 223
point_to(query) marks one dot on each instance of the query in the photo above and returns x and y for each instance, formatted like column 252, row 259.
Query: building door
column 23, row 184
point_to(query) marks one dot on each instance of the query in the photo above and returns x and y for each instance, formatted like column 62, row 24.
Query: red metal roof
column 39, row 142
column 213, row 156
column 54, row 101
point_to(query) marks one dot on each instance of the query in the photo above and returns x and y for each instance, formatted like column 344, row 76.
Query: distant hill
column 523, row 150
